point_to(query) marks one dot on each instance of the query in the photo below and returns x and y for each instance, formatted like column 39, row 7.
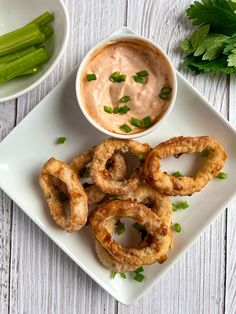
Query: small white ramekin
column 121, row 34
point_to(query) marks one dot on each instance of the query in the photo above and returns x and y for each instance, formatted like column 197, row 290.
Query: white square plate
column 32, row 142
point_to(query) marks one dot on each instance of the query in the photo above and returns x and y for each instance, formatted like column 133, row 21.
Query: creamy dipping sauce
column 146, row 99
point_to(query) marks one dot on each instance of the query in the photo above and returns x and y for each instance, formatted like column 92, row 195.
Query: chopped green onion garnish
column 139, row 277
column 123, row 275
column 91, row 77
column 61, row 140
column 117, row 77
column 136, row 122
column 205, row 153
column 137, row 226
column 139, row 270
column 120, row 228
column 63, row 197
column 139, row 79
column 113, row 274
column 177, row 174
column 177, row 228
column 142, row 73
column 184, row 205
column 124, row 109
column 164, row 96
column 140, row 157
column 175, row 207
column 222, row 175
column 108, row 109
column 115, row 197
column 147, row 122
column 116, row 110
column 126, row 128
column 125, row 99
column 85, row 173
column 166, row 90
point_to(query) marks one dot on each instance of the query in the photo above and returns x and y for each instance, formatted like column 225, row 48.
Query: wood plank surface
column 35, row 275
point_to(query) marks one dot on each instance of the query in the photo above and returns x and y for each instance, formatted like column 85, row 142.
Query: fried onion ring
column 116, row 167
column 60, row 170
column 101, row 175
column 162, row 206
column 169, row 184
column 109, row 213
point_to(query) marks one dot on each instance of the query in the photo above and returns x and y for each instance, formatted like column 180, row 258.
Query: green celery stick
column 21, row 38
column 23, row 64
column 15, row 55
column 30, row 71
column 43, row 19
column 47, row 30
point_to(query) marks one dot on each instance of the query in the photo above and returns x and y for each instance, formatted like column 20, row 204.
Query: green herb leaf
column 123, row 275
column 108, row 109
column 177, row 174
column 136, row 122
column 117, row 77
column 232, row 58
column 177, row 228
column 199, row 35
column 222, row 175
column 143, row 73
column 175, row 207
column 230, row 45
column 184, row 205
column 113, row 274
column 166, row 90
column 139, row 79
column 139, row 270
column 120, row 228
column 126, row 128
column 61, row 140
column 205, row 153
column 91, row 77
column 147, row 122
column 197, row 65
column 187, row 47
column 125, row 99
column 139, row 277
column 218, row 13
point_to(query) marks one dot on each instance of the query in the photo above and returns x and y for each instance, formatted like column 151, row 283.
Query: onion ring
column 169, row 184
column 101, row 175
column 116, row 168
column 108, row 214
column 77, row 198
column 162, row 206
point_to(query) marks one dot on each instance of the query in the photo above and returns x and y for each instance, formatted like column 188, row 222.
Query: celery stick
column 15, row 55
column 23, row 64
column 43, row 19
column 47, row 30
column 30, row 71
column 21, row 38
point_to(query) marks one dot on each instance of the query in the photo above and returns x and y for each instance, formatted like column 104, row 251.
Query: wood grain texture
column 35, row 275
column 7, row 122
column 230, row 300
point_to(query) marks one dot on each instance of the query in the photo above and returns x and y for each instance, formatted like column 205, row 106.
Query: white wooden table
column 35, row 275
